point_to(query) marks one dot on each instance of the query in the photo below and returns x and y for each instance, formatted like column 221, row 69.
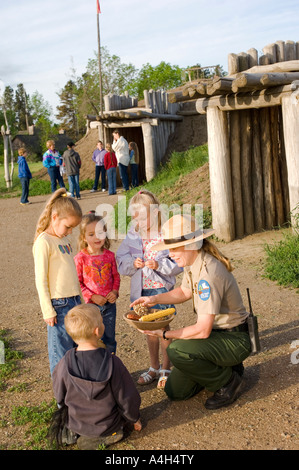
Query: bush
column 283, row 257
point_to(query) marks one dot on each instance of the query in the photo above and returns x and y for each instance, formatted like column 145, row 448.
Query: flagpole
column 100, row 68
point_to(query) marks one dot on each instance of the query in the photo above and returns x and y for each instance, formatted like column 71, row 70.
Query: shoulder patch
column 204, row 290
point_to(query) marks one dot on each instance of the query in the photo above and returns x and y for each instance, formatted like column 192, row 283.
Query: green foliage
column 37, row 419
column 282, row 262
column 11, row 358
column 162, row 77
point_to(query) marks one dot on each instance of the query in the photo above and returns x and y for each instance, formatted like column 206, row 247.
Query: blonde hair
column 146, row 198
column 134, row 147
column 108, row 147
column 62, row 205
column 81, row 321
column 49, row 143
column 21, row 151
column 210, row 248
column 86, row 220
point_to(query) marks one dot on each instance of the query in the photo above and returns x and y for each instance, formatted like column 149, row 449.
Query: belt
column 242, row 327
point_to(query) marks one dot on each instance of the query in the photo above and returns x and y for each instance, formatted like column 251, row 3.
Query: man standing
column 98, row 157
column 121, row 149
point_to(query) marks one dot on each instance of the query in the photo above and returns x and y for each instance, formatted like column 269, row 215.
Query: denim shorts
column 59, row 342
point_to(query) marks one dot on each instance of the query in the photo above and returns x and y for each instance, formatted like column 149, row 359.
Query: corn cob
column 159, row 314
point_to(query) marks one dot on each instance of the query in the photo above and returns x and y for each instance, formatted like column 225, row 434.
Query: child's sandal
column 163, row 378
column 146, row 378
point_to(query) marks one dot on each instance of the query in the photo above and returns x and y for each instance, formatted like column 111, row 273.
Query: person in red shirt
column 97, row 272
column 110, row 163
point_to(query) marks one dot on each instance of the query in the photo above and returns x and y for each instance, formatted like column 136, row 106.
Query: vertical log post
column 220, row 174
column 245, row 134
column 267, row 169
column 235, row 156
column 149, row 151
column 257, row 174
column 290, row 113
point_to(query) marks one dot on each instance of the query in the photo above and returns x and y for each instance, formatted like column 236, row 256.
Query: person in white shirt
column 121, row 149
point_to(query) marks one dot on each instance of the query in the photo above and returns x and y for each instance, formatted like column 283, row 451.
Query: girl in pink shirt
column 97, row 273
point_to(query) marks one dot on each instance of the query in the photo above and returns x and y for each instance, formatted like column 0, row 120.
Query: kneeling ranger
column 208, row 354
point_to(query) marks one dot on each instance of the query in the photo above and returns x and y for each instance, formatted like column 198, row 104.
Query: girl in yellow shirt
column 55, row 272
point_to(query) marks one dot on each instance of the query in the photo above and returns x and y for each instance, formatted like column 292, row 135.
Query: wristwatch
column 164, row 337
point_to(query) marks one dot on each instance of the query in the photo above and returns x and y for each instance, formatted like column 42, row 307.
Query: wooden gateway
column 253, row 139
column 149, row 126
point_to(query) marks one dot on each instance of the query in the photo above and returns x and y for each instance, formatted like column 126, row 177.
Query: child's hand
column 138, row 263
column 98, row 299
column 138, row 425
column 112, row 296
column 51, row 321
column 152, row 264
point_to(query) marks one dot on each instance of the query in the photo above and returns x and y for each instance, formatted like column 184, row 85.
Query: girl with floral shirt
column 151, row 272
column 97, row 273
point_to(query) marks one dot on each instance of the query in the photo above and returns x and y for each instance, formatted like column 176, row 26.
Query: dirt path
column 265, row 416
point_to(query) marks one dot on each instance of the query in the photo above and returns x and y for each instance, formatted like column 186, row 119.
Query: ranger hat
column 181, row 230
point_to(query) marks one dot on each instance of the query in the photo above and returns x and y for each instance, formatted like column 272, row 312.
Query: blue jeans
column 134, row 172
column 108, row 312
column 100, row 170
column 74, row 185
column 161, row 290
column 123, row 170
column 111, row 176
column 59, row 342
column 25, row 189
column 55, row 176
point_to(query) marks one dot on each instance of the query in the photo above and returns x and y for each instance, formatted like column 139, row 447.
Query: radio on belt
column 253, row 329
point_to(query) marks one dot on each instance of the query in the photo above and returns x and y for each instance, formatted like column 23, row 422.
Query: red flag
column 98, row 7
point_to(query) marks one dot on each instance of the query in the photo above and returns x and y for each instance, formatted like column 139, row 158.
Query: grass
column 37, row 185
column 11, row 359
column 282, row 262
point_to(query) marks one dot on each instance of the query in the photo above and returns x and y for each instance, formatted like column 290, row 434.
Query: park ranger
column 209, row 353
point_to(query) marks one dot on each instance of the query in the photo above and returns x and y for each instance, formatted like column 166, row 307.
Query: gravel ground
column 264, row 417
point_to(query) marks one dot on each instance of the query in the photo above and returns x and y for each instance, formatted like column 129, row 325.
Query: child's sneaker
column 93, row 443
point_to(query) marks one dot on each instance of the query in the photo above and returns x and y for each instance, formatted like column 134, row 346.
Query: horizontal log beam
column 257, row 99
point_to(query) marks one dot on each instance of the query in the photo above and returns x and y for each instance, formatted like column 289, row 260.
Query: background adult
column 98, row 157
column 209, row 353
column 121, row 149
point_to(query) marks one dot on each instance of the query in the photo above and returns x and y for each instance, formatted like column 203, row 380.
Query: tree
column 21, row 108
column 67, row 111
column 162, row 77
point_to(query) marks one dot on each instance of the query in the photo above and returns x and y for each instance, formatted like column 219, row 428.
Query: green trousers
column 204, row 363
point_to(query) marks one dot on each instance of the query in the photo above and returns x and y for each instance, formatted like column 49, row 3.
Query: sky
column 42, row 41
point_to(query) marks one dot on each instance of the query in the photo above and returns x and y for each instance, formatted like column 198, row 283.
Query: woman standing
column 208, row 354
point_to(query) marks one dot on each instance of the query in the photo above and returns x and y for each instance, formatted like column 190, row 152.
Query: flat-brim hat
column 181, row 230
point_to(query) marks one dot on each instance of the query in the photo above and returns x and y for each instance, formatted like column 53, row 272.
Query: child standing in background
column 97, row 273
column 151, row 272
column 55, row 272
column 134, row 162
column 52, row 161
column 110, row 163
column 24, row 175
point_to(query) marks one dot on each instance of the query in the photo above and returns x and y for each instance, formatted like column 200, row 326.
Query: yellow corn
column 159, row 314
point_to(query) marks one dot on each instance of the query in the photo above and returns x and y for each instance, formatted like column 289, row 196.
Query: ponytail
column 210, row 248
column 60, row 203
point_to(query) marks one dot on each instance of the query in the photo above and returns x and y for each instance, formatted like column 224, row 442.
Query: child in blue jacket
column 24, row 175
